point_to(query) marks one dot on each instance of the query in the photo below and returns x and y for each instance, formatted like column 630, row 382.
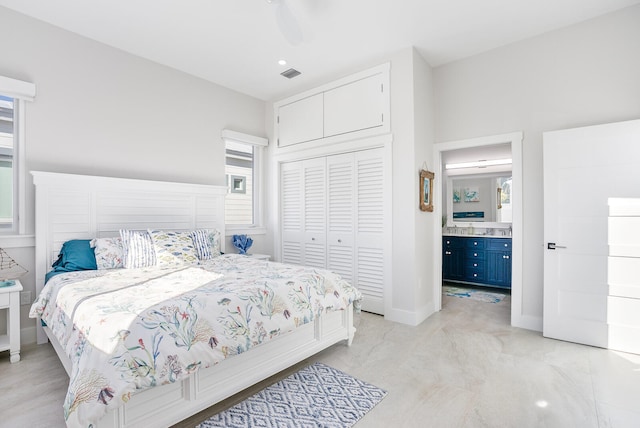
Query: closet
column 333, row 217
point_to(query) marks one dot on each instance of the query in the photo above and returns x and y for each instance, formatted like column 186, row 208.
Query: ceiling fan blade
column 287, row 23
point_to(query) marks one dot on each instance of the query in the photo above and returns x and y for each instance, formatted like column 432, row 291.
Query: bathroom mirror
column 483, row 200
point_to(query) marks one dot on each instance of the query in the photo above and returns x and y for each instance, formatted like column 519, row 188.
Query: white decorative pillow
column 108, row 252
column 138, row 251
column 207, row 243
column 173, row 248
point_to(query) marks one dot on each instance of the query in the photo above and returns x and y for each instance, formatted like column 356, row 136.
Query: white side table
column 266, row 257
column 10, row 300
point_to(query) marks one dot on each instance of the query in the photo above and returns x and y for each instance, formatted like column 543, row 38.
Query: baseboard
column 527, row 322
column 412, row 318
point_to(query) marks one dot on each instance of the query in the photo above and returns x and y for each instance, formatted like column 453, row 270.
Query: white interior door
column 584, row 169
column 291, row 212
column 341, row 203
column 372, row 249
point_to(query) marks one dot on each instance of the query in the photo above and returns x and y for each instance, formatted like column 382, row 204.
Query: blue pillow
column 76, row 254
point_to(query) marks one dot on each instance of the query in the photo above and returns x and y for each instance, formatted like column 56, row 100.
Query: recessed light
column 282, row 62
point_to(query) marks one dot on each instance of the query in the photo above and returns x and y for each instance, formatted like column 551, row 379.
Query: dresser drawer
column 452, row 242
column 476, row 265
column 474, row 254
column 475, row 276
column 475, row 243
column 503, row 244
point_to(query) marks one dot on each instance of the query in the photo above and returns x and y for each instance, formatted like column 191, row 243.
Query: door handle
column 553, row 246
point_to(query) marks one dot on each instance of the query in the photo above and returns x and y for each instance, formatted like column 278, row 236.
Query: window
column 242, row 169
column 13, row 94
column 238, row 184
column 8, row 171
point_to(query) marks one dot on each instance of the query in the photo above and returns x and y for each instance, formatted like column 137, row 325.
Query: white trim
column 259, row 195
column 247, row 230
column 239, row 137
column 17, row 241
column 22, row 169
column 515, row 138
column 527, row 322
column 17, row 89
column 412, row 318
column 19, row 222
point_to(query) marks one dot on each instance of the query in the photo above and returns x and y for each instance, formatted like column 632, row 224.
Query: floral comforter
column 126, row 330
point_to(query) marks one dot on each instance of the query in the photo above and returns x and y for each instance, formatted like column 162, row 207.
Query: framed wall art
column 426, row 190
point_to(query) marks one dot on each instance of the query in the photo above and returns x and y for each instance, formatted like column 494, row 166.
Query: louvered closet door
column 341, row 215
column 371, row 257
column 314, row 225
column 291, row 212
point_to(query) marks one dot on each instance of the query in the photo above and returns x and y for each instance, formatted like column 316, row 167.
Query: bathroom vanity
column 477, row 260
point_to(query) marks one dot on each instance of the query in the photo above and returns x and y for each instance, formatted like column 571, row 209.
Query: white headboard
column 70, row 206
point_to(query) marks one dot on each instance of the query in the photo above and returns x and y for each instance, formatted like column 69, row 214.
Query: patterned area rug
column 479, row 295
column 315, row 396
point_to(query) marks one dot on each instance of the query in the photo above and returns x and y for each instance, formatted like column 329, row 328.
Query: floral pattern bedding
column 126, row 330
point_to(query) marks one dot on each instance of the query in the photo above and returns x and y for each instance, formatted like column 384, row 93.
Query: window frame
column 258, row 144
column 21, row 92
column 18, row 227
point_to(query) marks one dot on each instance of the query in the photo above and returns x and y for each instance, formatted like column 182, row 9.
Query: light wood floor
column 463, row 367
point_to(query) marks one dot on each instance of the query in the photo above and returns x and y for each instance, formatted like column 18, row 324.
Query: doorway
column 440, row 199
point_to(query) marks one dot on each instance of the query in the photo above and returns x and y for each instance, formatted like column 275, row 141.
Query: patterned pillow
column 138, row 251
column 108, row 252
column 173, row 248
column 207, row 243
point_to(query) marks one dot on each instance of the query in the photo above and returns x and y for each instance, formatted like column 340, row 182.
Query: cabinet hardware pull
column 339, row 240
column 313, row 239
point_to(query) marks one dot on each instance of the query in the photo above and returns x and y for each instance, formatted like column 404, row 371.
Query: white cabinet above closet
column 301, row 121
column 354, row 107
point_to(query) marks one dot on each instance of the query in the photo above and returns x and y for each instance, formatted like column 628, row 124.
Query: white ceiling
column 237, row 43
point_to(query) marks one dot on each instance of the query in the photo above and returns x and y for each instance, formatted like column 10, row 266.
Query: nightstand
column 10, row 300
column 265, row 257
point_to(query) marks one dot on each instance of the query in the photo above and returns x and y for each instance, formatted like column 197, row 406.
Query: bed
column 202, row 332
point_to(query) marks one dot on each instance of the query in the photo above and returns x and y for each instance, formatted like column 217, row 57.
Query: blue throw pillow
column 76, row 254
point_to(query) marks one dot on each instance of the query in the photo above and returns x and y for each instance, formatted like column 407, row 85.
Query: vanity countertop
column 462, row 235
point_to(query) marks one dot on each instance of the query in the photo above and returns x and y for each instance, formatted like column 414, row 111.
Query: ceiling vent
column 290, row 73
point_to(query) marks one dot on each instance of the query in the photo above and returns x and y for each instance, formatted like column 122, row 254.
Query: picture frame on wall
column 426, row 190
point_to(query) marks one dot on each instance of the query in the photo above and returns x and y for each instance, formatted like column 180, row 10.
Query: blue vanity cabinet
column 499, row 262
column 477, row 260
column 474, row 260
column 453, row 258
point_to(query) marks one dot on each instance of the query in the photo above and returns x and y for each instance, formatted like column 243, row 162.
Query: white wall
column 582, row 75
column 100, row 111
column 423, row 110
